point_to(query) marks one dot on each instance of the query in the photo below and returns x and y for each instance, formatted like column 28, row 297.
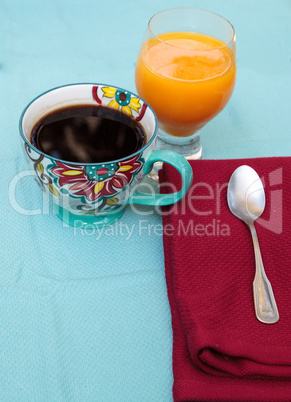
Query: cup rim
column 79, row 163
column 233, row 38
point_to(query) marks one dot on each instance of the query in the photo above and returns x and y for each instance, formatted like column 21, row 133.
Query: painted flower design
column 121, row 100
column 95, row 182
column 41, row 177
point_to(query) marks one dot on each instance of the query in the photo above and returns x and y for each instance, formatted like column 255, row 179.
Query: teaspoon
column 246, row 200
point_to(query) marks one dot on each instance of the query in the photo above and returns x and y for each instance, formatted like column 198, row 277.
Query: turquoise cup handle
column 178, row 162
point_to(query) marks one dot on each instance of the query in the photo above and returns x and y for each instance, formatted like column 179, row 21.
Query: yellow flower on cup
column 95, row 181
column 122, row 100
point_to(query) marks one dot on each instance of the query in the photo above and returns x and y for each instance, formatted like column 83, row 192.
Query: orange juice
column 186, row 77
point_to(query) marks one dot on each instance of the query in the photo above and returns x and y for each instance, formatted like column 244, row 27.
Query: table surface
column 85, row 315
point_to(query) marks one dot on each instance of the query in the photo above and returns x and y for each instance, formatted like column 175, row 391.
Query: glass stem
column 190, row 147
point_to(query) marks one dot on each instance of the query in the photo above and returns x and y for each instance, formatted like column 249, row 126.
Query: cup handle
column 178, row 162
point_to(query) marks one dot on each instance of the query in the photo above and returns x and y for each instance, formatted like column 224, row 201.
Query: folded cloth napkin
column 221, row 352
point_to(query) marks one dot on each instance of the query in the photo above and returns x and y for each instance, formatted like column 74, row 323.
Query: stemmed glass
column 186, row 70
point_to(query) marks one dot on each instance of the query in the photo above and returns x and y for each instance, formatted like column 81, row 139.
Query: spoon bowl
column 245, row 195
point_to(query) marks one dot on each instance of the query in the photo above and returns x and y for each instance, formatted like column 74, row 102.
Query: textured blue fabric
column 85, row 315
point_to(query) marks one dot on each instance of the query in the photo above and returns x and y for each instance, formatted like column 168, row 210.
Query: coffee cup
column 95, row 191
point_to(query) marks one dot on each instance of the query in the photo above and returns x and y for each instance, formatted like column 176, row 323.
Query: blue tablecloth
column 85, row 315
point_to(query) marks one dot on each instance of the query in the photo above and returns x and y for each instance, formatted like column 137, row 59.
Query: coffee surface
column 88, row 134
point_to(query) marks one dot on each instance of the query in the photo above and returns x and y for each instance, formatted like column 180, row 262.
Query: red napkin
column 221, row 352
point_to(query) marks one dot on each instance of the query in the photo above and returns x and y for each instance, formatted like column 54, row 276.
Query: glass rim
column 226, row 44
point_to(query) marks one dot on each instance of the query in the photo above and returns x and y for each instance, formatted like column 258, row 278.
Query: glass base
column 154, row 173
column 190, row 147
column 88, row 221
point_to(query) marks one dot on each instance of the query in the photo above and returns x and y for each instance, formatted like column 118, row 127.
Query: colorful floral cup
column 97, row 193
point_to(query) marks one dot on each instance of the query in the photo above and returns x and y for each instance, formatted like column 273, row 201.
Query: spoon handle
column 265, row 304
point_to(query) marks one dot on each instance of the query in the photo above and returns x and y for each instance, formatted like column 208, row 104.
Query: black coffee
column 88, row 134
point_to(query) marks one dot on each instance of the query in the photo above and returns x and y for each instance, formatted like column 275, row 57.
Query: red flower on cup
column 96, row 181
